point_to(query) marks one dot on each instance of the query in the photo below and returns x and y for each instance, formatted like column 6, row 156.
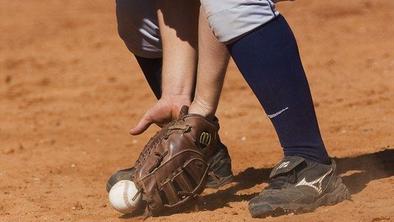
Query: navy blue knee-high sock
column 269, row 60
column 152, row 71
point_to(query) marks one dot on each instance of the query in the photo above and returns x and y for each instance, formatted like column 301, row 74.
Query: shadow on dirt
column 356, row 173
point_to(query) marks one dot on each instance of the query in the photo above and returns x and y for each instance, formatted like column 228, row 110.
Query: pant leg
column 265, row 51
column 231, row 19
column 138, row 27
column 152, row 67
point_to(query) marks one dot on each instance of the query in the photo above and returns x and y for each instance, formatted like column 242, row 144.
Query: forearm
column 212, row 65
column 178, row 22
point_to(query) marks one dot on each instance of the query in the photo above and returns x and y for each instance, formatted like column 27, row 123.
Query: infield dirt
column 70, row 91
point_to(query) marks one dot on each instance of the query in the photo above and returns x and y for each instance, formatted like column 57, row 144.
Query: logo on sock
column 277, row 113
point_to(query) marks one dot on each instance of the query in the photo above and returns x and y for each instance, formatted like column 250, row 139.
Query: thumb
column 142, row 125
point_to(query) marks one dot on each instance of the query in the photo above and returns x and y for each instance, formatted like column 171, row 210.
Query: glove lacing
column 171, row 128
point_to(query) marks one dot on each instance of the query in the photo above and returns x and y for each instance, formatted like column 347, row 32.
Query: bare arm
column 178, row 23
column 212, row 66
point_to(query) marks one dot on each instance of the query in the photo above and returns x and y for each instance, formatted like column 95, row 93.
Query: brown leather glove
column 172, row 168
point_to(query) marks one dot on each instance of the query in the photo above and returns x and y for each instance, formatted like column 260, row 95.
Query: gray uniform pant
column 229, row 20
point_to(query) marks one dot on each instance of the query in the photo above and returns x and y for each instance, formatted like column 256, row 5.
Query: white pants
column 229, row 20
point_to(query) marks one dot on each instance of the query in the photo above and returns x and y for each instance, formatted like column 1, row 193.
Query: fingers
column 142, row 125
column 160, row 114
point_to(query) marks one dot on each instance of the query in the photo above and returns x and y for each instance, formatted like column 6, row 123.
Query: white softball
column 124, row 197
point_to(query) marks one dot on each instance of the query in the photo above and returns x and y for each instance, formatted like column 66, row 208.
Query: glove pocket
column 184, row 183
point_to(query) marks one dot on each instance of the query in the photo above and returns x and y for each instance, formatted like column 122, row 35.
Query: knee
column 137, row 27
column 231, row 19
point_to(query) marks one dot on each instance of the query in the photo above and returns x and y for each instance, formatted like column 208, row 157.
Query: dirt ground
column 70, row 91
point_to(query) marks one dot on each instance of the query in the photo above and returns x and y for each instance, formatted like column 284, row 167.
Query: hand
column 165, row 110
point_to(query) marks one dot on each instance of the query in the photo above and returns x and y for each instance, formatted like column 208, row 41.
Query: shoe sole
column 339, row 194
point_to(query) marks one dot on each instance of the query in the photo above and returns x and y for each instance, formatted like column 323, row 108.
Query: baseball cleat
column 219, row 168
column 298, row 185
column 219, row 171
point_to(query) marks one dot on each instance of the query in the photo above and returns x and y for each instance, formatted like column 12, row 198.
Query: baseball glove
column 172, row 168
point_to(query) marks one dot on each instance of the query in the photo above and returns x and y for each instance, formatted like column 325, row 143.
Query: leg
column 269, row 60
column 138, row 28
column 151, row 68
column 267, row 56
